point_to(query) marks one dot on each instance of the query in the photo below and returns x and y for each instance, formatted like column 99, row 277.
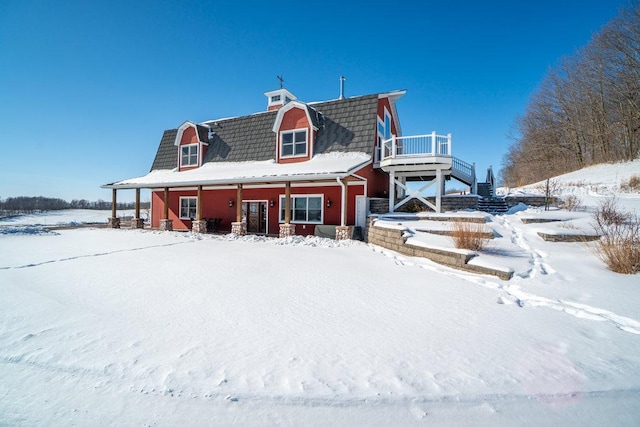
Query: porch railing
column 421, row 145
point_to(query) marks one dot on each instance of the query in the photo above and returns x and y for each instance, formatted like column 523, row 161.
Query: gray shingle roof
column 344, row 125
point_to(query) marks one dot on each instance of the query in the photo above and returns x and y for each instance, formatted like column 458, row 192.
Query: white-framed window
column 275, row 98
column 305, row 209
column 384, row 134
column 188, row 207
column 293, row 143
column 189, row 155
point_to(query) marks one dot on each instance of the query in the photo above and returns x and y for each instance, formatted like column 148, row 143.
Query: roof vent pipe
column 342, row 79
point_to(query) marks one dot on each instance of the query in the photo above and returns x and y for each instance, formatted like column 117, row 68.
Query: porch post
column 238, row 227
column 287, row 229
column 136, row 222
column 199, row 225
column 287, row 203
column 342, row 231
column 165, row 223
column 114, row 221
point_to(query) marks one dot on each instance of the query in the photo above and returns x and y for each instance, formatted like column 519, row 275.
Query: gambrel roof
column 345, row 125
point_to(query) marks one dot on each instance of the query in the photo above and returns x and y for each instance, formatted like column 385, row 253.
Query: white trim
column 258, row 186
column 184, row 126
column 293, row 132
column 180, row 207
column 291, row 105
column 197, row 145
column 293, row 196
column 284, row 94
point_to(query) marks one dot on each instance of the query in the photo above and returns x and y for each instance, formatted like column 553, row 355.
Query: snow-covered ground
column 63, row 217
column 132, row 327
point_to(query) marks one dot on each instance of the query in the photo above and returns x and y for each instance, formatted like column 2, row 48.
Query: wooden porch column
column 343, row 230
column 239, row 204
column 345, row 198
column 287, row 202
column 238, row 227
column 114, row 202
column 137, row 203
column 166, row 224
column 199, row 204
column 166, row 203
column 114, row 221
column 287, row 229
column 136, row 222
column 199, row 225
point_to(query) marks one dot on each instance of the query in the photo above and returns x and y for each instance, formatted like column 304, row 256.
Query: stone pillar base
column 199, row 226
column 239, row 228
column 343, row 232
column 166, row 225
column 114, row 223
column 287, row 230
column 137, row 223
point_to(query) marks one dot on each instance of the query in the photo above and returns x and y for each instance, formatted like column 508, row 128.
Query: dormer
column 295, row 127
column 192, row 141
column 278, row 98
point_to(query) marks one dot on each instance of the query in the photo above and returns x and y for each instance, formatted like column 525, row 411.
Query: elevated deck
column 422, row 156
column 425, row 158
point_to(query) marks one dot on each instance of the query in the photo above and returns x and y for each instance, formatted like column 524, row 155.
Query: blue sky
column 87, row 88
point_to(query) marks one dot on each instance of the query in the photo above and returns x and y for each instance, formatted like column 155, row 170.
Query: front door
column 256, row 217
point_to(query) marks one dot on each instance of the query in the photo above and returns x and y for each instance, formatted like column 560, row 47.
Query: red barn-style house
column 291, row 169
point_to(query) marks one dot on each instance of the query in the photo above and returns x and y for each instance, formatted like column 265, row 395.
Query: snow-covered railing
column 421, row 145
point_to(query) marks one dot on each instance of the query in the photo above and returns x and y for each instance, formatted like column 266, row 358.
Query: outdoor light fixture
column 328, row 203
column 230, row 203
column 271, row 203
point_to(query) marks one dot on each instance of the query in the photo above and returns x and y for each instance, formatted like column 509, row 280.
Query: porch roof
column 321, row 167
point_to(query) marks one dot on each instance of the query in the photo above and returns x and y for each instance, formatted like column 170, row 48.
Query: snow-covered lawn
column 133, row 327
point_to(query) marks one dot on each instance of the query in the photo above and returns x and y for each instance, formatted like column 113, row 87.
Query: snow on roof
column 321, row 166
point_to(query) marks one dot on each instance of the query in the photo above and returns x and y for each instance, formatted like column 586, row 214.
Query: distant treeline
column 587, row 109
column 22, row 205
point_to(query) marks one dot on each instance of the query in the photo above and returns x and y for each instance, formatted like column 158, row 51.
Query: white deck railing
column 430, row 145
column 421, row 145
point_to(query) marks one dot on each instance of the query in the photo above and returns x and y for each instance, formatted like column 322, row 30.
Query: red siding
column 216, row 205
column 382, row 103
column 296, row 118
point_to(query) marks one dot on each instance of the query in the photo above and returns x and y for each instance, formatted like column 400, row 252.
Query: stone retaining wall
column 392, row 238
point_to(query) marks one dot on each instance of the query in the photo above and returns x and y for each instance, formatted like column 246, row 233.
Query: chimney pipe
column 342, row 79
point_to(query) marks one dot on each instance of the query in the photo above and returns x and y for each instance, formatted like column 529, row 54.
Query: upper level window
column 384, row 134
column 275, row 98
column 293, row 143
column 189, row 155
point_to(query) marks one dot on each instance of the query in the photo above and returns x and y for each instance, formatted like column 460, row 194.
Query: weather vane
column 281, row 81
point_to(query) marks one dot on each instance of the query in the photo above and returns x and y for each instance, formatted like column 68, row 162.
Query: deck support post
column 392, row 191
column 439, row 190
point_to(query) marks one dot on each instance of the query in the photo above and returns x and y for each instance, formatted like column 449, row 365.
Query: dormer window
column 293, row 143
column 189, row 155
